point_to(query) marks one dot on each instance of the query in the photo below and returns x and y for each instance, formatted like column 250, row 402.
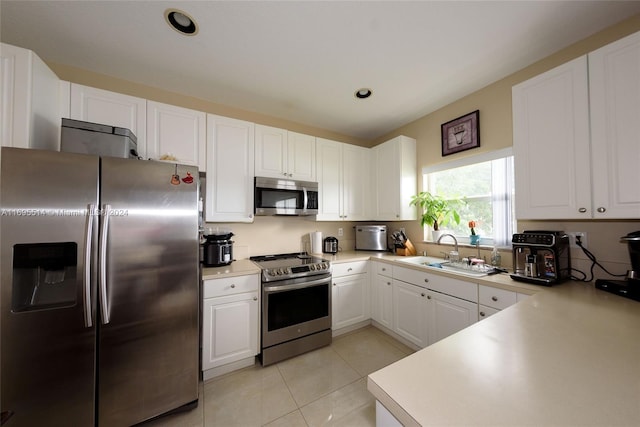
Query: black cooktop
column 286, row 260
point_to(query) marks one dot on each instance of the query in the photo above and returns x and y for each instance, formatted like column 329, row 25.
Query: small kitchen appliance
column 218, row 249
column 275, row 196
column 371, row 237
column 630, row 287
column 541, row 257
column 94, row 138
column 330, row 245
column 296, row 304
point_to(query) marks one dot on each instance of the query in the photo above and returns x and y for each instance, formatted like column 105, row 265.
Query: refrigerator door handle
column 104, row 306
column 87, row 267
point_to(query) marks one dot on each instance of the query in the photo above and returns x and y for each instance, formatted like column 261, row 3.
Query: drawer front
column 383, row 269
column 348, row 268
column 484, row 311
column 496, row 298
column 230, row 285
column 446, row 285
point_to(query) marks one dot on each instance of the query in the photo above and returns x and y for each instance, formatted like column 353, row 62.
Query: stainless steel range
column 296, row 304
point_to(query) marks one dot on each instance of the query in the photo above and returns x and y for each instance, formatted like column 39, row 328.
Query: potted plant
column 436, row 211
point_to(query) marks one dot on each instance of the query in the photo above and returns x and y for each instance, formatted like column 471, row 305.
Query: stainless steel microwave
column 274, row 196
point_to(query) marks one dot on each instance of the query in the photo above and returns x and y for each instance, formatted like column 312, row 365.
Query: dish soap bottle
column 496, row 258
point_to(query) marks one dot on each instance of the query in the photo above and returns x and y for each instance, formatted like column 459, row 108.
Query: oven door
column 295, row 308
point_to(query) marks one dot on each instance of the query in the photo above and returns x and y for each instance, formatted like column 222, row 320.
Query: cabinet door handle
column 426, row 280
column 494, row 298
column 482, row 314
column 334, row 284
column 233, row 286
column 255, row 298
column 349, row 269
column 388, row 283
column 428, row 296
column 601, row 209
column 422, row 294
column 582, row 210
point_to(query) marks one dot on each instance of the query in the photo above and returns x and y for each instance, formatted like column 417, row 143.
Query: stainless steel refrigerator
column 99, row 289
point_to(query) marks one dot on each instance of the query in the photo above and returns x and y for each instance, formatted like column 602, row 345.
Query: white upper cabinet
column 551, row 143
column 343, row 180
column 285, row 154
column 109, row 108
column 178, row 132
column 393, row 172
column 614, row 89
column 29, row 101
column 575, row 137
column 230, row 164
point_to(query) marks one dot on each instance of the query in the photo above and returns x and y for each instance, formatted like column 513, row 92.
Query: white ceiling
column 303, row 60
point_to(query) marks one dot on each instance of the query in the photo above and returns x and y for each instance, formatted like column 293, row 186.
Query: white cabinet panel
column 551, row 144
column 394, row 173
column 575, row 137
column 230, row 329
column 109, row 108
column 301, row 156
column 29, row 101
column 271, row 152
column 284, row 154
column 343, row 181
column 410, row 313
column 178, row 132
column 382, row 300
column 230, row 166
column 351, row 302
column 448, row 315
column 614, row 90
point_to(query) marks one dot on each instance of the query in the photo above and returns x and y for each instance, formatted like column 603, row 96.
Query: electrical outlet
column 572, row 238
column 340, row 232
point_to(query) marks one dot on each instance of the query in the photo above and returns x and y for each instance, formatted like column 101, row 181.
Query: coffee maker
column 541, row 257
column 630, row 287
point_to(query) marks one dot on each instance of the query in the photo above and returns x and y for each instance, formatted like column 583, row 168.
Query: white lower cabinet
column 448, row 315
column 410, row 312
column 492, row 300
column 428, row 307
column 382, row 298
column 230, row 320
column 351, row 303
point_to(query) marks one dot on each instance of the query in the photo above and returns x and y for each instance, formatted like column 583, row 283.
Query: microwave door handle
column 104, row 306
column 87, row 267
column 305, row 199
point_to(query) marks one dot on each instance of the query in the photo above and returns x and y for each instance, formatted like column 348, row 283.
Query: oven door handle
column 279, row 288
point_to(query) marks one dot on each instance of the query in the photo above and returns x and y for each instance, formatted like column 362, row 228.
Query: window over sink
column 486, row 183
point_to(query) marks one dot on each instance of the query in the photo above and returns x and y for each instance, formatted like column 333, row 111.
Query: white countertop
column 569, row 355
column 240, row 267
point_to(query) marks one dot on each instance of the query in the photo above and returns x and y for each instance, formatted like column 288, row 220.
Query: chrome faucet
column 450, row 235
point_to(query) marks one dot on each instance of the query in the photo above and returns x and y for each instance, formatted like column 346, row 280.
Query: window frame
column 509, row 189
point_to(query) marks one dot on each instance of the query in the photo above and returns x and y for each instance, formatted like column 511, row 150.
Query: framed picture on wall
column 461, row 134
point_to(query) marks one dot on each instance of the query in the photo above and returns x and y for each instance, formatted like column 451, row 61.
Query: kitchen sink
column 479, row 270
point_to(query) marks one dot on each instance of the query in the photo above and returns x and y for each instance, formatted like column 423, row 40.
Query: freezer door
column 48, row 330
column 148, row 339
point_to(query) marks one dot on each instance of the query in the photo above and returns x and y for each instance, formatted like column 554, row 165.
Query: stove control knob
column 312, row 267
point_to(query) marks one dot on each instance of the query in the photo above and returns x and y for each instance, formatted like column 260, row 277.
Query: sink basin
column 458, row 268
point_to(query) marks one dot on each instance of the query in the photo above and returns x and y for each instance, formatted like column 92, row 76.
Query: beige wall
column 494, row 103
column 276, row 234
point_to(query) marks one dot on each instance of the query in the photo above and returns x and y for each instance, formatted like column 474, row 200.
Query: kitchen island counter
column 569, row 355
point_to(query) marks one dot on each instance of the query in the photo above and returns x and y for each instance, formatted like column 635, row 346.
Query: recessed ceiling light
column 363, row 93
column 181, row 22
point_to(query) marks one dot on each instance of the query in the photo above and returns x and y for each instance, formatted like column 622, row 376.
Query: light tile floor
column 327, row 386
